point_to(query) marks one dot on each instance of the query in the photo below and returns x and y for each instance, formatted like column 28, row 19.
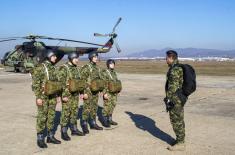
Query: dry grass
column 159, row 67
column 215, row 68
column 212, row 68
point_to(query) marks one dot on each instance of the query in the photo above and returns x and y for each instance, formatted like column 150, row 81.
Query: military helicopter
column 26, row 56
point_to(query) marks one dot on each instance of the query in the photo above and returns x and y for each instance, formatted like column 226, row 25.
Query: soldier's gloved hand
column 169, row 105
column 39, row 102
column 84, row 96
column 65, row 99
column 106, row 97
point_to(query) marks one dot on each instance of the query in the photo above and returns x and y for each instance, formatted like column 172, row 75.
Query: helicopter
column 26, row 56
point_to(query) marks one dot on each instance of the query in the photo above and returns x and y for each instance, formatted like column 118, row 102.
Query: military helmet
column 110, row 61
column 50, row 53
column 72, row 55
column 92, row 54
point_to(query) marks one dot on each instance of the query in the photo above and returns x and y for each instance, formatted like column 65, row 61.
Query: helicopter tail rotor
column 117, row 46
column 101, row 35
column 113, row 35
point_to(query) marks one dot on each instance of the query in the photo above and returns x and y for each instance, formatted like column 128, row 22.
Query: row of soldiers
column 70, row 83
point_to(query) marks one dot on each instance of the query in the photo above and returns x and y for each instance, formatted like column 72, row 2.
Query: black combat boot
column 105, row 122
column 110, row 120
column 64, row 134
column 75, row 131
column 52, row 139
column 40, row 141
column 84, row 127
column 94, row 126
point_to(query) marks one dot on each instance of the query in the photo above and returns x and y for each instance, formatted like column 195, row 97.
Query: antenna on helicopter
column 113, row 35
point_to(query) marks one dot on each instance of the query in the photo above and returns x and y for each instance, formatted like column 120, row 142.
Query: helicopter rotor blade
column 114, row 28
column 12, row 38
column 50, row 38
column 30, row 37
column 33, row 37
column 5, row 40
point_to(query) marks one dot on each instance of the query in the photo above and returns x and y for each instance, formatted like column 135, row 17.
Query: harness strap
column 109, row 74
column 46, row 71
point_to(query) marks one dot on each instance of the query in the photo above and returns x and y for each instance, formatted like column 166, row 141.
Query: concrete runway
column 144, row 126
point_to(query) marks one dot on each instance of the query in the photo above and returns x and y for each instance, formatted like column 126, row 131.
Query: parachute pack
column 115, row 86
column 75, row 85
column 51, row 87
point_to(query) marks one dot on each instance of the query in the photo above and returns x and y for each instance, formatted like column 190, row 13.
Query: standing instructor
column 174, row 104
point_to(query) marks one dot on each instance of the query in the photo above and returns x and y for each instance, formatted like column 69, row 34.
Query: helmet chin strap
column 49, row 59
column 71, row 62
column 93, row 62
column 110, row 67
column 52, row 62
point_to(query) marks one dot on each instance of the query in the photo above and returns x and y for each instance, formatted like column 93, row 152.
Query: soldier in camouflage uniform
column 175, row 106
column 110, row 99
column 46, row 104
column 90, row 105
column 70, row 100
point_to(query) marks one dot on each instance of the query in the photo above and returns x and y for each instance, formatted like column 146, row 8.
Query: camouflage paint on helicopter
column 24, row 57
column 30, row 53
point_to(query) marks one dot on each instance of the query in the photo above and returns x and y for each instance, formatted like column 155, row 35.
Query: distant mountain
column 186, row 52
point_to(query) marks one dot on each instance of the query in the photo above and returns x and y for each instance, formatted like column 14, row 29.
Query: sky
column 146, row 24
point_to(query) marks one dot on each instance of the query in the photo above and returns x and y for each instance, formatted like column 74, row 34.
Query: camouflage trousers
column 69, row 112
column 177, row 121
column 46, row 115
column 90, row 106
column 109, row 105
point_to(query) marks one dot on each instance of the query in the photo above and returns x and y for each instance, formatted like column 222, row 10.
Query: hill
column 185, row 52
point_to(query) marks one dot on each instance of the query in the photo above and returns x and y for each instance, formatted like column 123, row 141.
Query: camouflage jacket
column 68, row 71
column 174, row 80
column 40, row 74
column 90, row 72
column 109, row 75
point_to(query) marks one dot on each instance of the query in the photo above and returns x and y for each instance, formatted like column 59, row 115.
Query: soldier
column 70, row 98
column 46, row 104
column 90, row 105
column 109, row 97
column 174, row 105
